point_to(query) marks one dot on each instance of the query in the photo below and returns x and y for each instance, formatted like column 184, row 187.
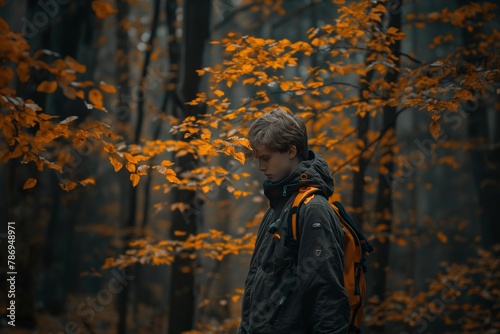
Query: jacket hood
column 312, row 172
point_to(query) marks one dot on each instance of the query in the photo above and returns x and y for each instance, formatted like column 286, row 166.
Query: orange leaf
column 285, row 85
column 47, row 87
column 179, row 206
column 102, row 9
column 130, row 158
column 55, row 167
column 83, row 84
column 30, row 183
column 172, row 176
column 95, row 97
column 74, row 65
column 402, row 242
column 68, row 91
column 107, row 88
column 135, row 179
column 117, row 164
column 441, row 236
column 245, row 142
column 240, row 156
column 435, row 129
column 89, row 180
column 218, row 92
column 167, row 163
column 23, row 71
column 130, row 167
column 68, row 185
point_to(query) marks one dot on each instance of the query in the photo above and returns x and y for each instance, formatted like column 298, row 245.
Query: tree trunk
column 122, row 108
column 144, row 87
column 485, row 162
column 358, row 197
column 195, row 35
column 485, row 155
column 73, row 32
column 21, row 206
column 383, row 204
column 363, row 125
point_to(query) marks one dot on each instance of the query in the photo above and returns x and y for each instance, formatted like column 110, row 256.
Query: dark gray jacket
column 297, row 288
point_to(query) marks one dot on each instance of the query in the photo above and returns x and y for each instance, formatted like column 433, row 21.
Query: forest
column 129, row 200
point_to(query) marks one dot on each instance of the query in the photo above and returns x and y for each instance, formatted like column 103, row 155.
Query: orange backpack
column 356, row 248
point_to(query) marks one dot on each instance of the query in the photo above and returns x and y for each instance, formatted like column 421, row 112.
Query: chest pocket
column 277, row 256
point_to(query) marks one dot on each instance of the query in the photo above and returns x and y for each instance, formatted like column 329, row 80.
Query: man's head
column 279, row 141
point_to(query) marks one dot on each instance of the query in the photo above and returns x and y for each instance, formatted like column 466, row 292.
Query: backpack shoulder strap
column 302, row 196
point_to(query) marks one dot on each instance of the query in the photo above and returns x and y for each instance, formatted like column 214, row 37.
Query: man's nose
column 262, row 167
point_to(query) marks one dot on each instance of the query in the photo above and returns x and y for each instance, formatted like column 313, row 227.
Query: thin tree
column 196, row 29
column 383, row 203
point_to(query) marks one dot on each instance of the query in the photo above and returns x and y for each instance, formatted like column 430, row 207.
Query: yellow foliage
column 135, row 179
column 116, row 164
column 171, row 176
column 107, row 87
column 435, row 129
column 47, row 87
column 95, row 98
column 89, row 180
column 102, row 9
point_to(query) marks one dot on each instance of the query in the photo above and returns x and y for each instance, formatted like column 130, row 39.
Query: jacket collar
column 311, row 172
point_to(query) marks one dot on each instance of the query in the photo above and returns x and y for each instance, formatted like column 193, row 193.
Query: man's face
column 275, row 165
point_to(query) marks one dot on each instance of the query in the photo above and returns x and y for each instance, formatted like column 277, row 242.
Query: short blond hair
column 278, row 131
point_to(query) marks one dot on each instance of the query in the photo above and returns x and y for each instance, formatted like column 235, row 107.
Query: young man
column 294, row 287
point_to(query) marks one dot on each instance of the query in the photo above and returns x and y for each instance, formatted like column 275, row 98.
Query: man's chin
column 274, row 179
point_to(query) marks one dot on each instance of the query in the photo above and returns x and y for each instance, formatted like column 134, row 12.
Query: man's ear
column 292, row 152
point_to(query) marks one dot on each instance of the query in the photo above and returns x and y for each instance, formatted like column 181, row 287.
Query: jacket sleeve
column 320, row 269
column 245, row 304
column 254, row 264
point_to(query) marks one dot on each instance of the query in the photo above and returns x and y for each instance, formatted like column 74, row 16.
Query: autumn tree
column 398, row 82
column 351, row 76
